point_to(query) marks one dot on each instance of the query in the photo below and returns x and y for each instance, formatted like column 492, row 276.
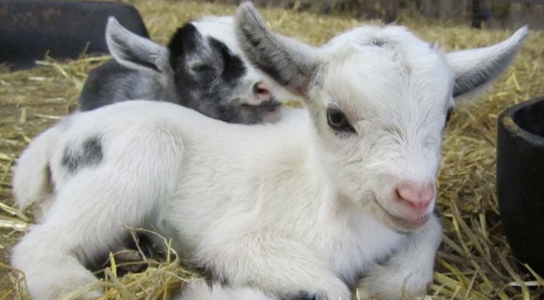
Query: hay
column 474, row 261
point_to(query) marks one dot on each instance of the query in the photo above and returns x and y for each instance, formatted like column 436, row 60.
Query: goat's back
column 113, row 82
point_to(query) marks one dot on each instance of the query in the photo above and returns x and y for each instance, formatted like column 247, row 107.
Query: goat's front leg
column 285, row 268
column 200, row 290
column 409, row 271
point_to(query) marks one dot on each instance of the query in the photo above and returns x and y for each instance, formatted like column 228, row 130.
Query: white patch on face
column 219, row 28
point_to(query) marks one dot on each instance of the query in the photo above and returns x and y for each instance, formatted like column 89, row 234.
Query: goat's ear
column 134, row 51
column 289, row 62
column 476, row 69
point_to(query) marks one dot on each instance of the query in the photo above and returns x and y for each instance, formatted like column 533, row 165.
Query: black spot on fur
column 90, row 154
column 92, row 150
column 70, row 160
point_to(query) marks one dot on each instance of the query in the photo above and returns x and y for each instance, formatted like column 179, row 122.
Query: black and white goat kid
column 201, row 69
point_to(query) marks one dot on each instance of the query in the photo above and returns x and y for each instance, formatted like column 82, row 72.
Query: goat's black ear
column 186, row 41
column 476, row 69
column 289, row 62
column 134, row 51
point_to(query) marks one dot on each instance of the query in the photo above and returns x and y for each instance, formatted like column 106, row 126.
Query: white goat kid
column 302, row 208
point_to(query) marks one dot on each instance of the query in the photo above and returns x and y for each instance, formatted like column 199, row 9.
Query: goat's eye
column 203, row 69
column 338, row 121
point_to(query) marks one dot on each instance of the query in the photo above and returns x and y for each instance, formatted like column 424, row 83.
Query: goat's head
column 379, row 99
column 203, row 67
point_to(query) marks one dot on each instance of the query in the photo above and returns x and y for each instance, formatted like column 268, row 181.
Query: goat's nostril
column 415, row 195
column 261, row 89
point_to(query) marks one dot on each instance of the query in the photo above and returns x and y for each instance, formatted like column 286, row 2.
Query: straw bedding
column 474, row 261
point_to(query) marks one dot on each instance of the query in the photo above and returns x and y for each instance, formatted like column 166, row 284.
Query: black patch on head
column 233, row 67
column 208, row 78
column 90, row 154
column 186, row 40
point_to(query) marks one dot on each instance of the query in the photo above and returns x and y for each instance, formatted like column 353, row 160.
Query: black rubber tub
column 520, row 180
column 63, row 29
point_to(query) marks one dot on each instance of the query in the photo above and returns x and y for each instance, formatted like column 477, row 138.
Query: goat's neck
column 332, row 205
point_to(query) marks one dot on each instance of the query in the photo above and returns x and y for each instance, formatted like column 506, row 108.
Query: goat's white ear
column 476, row 69
column 134, row 51
column 289, row 62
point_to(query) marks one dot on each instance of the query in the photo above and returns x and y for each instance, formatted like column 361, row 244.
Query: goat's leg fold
column 409, row 271
column 276, row 265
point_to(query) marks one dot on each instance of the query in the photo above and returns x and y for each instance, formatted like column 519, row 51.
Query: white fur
column 286, row 208
column 220, row 28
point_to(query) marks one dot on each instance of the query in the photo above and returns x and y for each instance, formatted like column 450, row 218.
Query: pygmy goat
column 201, row 69
column 335, row 196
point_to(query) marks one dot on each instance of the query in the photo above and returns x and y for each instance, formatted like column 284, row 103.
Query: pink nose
column 416, row 195
column 262, row 91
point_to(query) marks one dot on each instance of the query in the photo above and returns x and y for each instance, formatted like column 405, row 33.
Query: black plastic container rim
column 507, row 121
column 45, row 2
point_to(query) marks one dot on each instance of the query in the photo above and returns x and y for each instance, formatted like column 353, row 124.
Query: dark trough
column 63, row 29
column 520, row 180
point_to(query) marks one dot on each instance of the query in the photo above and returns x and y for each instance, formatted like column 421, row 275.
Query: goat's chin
column 268, row 112
column 272, row 117
column 397, row 223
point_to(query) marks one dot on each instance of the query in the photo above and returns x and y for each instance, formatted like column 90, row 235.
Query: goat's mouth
column 402, row 224
column 270, row 105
